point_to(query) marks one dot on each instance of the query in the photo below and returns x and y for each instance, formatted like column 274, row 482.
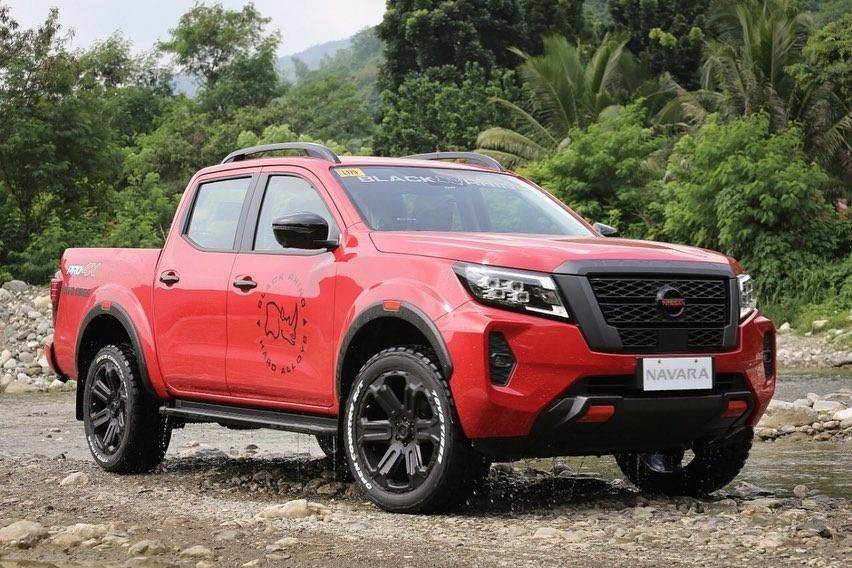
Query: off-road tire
column 713, row 466
column 144, row 438
column 451, row 478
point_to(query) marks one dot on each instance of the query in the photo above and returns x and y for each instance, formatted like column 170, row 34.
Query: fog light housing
column 769, row 355
column 501, row 360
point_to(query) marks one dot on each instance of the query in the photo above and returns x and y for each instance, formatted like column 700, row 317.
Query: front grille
column 630, row 304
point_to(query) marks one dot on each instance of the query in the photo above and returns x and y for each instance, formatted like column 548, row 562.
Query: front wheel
column 712, row 466
column 124, row 429
column 402, row 438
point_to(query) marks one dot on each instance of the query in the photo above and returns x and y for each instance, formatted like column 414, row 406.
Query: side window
column 286, row 195
column 216, row 213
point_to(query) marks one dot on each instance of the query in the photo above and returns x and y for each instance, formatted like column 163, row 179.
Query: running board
column 252, row 417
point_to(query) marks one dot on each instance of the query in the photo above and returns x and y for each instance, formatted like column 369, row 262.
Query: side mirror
column 605, row 230
column 302, row 230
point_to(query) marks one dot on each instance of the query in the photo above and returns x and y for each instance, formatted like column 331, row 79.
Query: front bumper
column 538, row 412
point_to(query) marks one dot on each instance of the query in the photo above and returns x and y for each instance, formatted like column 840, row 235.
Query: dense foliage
column 719, row 124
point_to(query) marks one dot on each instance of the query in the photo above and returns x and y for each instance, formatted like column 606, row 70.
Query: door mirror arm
column 605, row 230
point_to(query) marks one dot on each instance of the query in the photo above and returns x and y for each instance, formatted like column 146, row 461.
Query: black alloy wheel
column 398, row 431
column 108, row 407
column 124, row 428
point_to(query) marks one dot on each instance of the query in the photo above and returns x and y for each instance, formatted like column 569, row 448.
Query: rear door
column 280, row 324
column 192, row 283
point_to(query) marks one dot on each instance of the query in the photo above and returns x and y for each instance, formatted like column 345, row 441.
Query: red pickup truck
column 423, row 317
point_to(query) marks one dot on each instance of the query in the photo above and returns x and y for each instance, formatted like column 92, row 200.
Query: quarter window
column 286, row 195
column 216, row 213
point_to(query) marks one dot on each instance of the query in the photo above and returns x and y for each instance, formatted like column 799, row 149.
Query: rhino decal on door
column 280, row 324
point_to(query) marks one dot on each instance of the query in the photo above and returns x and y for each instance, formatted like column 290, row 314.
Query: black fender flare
column 406, row 312
column 120, row 314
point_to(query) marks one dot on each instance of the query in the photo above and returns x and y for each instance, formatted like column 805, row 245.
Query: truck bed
column 99, row 276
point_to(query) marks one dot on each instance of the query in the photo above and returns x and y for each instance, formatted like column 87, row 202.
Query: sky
column 302, row 23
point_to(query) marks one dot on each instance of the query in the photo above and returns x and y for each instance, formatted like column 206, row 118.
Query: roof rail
column 472, row 157
column 309, row 148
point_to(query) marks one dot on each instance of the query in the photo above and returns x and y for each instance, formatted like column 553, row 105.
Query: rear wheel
column 713, row 465
column 402, row 437
column 124, row 429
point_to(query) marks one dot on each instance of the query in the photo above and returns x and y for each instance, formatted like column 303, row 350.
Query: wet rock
column 75, row 479
column 721, row 506
column 75, row 535
column 147, row 547
column 780, row 413
column 282, row 544
column 828, row 406
column 548, row 533
column 332, row 488
column 296, row 509
column 22, row 534
column 20, row 387
column 15, row 286
column 197, row 551
column 842, row 415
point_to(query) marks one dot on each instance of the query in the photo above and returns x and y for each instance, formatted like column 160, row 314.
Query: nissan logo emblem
column 670, row 301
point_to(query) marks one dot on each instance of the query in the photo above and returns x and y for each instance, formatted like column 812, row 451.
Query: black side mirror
column 302, row 230
column 605, row 230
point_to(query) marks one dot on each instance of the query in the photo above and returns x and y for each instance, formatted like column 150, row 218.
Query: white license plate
column 677, row 373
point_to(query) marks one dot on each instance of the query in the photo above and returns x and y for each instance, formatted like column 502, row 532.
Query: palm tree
column 567, row 90
column 747, row 71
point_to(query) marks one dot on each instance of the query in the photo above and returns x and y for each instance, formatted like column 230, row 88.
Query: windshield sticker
column 493, row 181
column 349, row 172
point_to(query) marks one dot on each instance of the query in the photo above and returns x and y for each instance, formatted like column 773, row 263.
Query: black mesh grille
column 630, row 304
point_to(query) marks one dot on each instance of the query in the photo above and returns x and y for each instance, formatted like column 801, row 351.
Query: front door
column 281, row 301
column 191, row 286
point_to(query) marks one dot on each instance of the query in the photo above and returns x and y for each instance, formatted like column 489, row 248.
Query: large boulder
column 22, row 534
column 780, row 413
column 15, row 286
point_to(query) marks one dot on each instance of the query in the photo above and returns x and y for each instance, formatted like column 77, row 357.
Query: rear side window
column 216, row 213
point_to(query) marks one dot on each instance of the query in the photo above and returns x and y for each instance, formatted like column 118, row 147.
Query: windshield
column 442, row 199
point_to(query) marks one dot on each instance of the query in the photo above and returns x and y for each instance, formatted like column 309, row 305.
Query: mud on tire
column 124, row 429
column 402, row 437
column 714, row 466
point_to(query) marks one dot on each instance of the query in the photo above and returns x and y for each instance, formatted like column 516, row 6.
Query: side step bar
column 252, row 417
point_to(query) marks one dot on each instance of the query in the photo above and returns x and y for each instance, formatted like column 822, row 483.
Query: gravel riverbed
column 266, row 498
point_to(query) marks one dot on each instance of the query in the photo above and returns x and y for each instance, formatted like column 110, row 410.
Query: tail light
column 55, row 293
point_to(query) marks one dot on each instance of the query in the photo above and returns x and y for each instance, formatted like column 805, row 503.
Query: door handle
column 245, row 283
column 169, row 277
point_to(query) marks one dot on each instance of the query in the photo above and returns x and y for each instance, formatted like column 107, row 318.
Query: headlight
column 748, row 301
column 512, row 289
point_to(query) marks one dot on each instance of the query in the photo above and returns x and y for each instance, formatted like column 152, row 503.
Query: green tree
column 57, row 150
column 751, row 70
column 567, row 89
column 667, row 34
column 606, row 173
column 740, row 188
column 208, row 39
column 439, row 110
column 420, row 34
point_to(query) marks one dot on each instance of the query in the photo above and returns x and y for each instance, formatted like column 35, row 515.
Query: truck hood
column 535, row 252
